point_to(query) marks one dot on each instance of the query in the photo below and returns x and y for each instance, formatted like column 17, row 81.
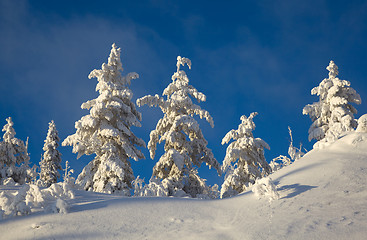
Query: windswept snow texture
column 322, row 196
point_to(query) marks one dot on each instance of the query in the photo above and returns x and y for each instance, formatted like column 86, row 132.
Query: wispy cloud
column 46, row 66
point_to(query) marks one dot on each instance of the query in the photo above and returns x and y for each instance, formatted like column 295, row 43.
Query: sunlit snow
column 323, row 195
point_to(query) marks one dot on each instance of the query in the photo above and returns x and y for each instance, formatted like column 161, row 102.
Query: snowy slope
column 323, row 196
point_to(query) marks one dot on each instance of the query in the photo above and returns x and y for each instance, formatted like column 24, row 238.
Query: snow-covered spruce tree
column 244, row 161
column 333, row 114
column 51, row 160
column 14, row 157
column 185, row 146
column 106, row 131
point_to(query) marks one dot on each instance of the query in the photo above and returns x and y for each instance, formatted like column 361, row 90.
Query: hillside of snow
column 322, row 196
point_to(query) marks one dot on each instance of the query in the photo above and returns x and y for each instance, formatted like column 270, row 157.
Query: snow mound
column 265, row 187
column 321, row 196
column 28, row 198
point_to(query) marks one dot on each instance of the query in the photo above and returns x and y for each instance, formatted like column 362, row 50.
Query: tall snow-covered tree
column 244, row 161
column 106, row 132
column 51, row 160
column 185, row 146
column 14, row 157
column 333, row 114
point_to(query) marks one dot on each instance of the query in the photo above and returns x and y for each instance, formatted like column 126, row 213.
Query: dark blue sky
column 247, row 56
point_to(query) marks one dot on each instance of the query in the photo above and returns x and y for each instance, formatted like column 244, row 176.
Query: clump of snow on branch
column 185, row 146
column 9, row 182
column 265, row 188
column 362, row 124
column 333, row 114
column 106, row 132
column 14, row 158
column 244, row 161
column 279, row 162
column 51, row 160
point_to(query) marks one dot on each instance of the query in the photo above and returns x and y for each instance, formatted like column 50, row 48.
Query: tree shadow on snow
column 297, row 170
column 90, row 205
column 297, row 189
column 93, row 201
column 87, row 235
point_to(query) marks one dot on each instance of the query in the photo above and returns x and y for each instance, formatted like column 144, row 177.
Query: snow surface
column 323, row 195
